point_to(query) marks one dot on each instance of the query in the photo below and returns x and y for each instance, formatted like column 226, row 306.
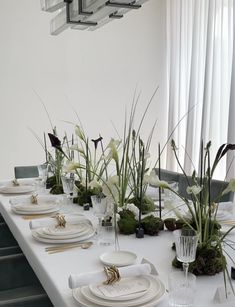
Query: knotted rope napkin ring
column 34, row 199
column 61, row 220
column 112, row 274
column 15, row 183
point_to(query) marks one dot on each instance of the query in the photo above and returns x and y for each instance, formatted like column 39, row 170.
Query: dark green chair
column 19, row 286
column 217, row 186
column 26, row 171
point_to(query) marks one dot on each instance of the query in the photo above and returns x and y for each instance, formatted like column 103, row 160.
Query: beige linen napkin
column 79, row 280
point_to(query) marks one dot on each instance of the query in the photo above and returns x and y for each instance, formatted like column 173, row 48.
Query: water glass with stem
column 99, row 204
column 68, row 181
column 186, row 246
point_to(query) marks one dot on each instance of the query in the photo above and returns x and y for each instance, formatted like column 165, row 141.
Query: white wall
column 93, row 72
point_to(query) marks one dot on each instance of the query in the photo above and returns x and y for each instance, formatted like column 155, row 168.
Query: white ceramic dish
column 21, row 189
column 39, row 211
column 70, row 229
column 118, row 258
column 95, row 289
column 84, row 302
column 70, row 240
column 34, row 207
column 63, row 236
column 149, row 295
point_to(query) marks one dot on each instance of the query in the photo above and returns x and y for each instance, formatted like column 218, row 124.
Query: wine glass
column 68, row 186
column 42, row 175
column 186, row 245
column 99, row 204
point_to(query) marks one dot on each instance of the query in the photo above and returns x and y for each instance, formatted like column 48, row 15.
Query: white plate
column 34, row 207
column 70, row 229
column 118, row 258
column 71, row 240
column 26, row 212
column 40, row 232
column 17, row 189
column 84, row 302
column 95, row 289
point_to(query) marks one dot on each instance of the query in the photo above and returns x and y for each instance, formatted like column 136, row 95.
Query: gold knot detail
column 112, row 274
column 61, row 220
column 15, row 183
column 34, row 199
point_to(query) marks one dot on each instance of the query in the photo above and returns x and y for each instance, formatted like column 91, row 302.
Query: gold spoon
column 58, row 249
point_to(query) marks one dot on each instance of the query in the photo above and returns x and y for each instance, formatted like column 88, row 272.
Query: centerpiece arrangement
column 202, row 212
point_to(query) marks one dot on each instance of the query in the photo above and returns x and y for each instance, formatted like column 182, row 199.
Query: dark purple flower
column 55, row 142
column 96, row 142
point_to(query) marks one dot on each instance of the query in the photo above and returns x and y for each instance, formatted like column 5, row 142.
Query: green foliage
column 127, row 223
column 209, row 261
column 57, row 189
column 51, row 181
column 147, row 204
column 152, row 225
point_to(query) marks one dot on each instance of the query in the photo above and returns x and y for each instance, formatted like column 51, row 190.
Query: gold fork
column 64, row 247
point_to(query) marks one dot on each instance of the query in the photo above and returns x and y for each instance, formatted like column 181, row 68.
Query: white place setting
column 74, row 275
column 19, row 186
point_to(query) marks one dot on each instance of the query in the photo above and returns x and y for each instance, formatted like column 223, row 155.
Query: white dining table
column 53, row 270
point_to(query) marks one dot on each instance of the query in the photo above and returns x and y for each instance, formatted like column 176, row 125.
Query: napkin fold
column 26, row 199
column 22, row 181
column 49, row 221
column 79, row 280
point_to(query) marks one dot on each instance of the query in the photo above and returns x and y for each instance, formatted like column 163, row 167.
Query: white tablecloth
column 53, row 270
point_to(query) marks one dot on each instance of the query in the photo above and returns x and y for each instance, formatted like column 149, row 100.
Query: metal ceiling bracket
column 130, row 5
column 115, row 15
column 74, row 22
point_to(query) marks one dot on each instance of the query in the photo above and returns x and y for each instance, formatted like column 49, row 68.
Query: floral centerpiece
column 91, row 167
column 202, row 212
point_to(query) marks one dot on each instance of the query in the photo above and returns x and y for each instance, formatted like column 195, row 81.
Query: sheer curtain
column 231, row 123
column 199, row 64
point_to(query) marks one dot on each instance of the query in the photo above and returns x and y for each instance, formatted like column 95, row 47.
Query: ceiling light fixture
column 86, row 14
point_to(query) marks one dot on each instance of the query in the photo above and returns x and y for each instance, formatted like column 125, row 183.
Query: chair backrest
column 217, row 186
column 26, row 171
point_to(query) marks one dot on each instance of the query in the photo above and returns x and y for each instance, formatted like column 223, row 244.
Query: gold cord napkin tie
column 112, row 274
column 15, row 183
column 34, row 199
column 61, row 220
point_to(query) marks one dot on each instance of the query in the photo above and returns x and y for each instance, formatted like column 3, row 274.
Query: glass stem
column 185, row 268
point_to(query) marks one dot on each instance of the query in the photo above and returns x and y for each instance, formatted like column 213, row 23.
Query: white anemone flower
column 113, row 146
column 156, row 182
column 79, row 133
column 94, row 184
column 230, row 187
column 111, row 189
column 194, row 189
column 133, row 209
column 71, row 167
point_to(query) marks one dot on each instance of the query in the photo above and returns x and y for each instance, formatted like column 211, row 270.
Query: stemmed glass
column 186, row 245
column 68, row 186
column 99, row 204
column 42, row 175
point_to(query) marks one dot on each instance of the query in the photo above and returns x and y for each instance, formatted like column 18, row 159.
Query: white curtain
column 199, row 61
column 231, row 123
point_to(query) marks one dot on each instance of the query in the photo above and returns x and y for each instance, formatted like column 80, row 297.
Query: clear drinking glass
column 68, row 186
column 42, row 176
column 186, row 245
column 99, row 204
column 180, row 294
